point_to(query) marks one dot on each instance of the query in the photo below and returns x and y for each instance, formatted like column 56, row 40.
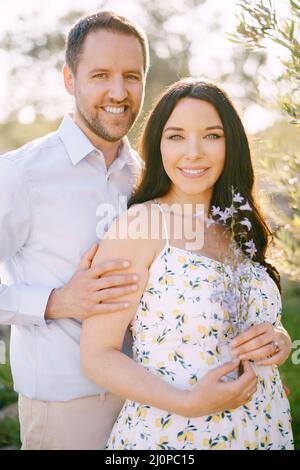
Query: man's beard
column 95, row 126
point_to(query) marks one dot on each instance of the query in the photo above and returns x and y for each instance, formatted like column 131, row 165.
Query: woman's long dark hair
column 237, row 172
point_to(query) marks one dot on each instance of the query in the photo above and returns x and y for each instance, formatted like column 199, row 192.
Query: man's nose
column 118, row 90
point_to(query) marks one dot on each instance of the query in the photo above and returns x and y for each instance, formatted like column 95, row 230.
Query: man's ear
column 68, row 79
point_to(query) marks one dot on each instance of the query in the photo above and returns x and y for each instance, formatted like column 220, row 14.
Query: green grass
column 7, row 394
column 10, row 433
column 9, row 427
column 290, row 372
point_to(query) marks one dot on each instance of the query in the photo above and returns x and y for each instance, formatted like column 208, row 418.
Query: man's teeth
column 192, row 172
column 110, row 109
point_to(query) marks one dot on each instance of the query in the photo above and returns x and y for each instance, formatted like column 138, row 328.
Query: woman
column 195, row 149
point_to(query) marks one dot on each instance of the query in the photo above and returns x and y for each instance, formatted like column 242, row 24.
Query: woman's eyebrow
column 217, row 126
column 173, row 129
column 214, row 127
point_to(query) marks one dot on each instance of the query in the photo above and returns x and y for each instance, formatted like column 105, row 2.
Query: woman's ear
column 69, row 79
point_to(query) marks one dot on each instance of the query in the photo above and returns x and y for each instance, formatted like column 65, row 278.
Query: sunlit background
column 187, row 37
column 202, row 26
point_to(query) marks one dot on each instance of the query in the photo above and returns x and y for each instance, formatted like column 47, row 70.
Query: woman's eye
column 212, row 136
column 175, row 137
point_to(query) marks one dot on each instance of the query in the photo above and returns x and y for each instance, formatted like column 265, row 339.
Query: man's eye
column 133, row 77
column 100, row 75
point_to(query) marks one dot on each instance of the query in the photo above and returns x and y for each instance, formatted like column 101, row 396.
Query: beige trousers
column 81, row 424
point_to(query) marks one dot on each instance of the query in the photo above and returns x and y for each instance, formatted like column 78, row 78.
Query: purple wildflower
column 238, row 198
column 251, row 250
column 224, row 215
column 215, row 210
column 246, row 207
column 247, row 223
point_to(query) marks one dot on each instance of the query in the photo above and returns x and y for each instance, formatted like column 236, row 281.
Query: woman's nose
column 195, row 149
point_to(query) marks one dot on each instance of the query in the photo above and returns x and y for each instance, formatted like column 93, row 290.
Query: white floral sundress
column 176, row 331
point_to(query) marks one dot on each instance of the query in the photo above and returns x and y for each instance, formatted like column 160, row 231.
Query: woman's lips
column 193, row 172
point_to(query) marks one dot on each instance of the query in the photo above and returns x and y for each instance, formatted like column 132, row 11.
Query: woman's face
column 193, row 148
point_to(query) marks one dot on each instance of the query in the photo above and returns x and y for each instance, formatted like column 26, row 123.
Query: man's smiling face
column 108, row 85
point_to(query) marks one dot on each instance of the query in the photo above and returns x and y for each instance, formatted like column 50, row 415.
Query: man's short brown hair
column 108, row 21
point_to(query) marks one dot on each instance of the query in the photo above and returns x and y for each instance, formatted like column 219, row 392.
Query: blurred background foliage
column 178, row 36
column 259, row 27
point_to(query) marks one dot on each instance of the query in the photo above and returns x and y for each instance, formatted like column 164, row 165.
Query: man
column 51, row 190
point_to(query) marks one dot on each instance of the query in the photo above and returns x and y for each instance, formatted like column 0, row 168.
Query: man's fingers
column 117, row 280
column 106, row 295
column 88, row 257
column 108, row 266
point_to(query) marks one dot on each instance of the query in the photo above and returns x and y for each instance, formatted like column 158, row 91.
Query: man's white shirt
column 52, row 192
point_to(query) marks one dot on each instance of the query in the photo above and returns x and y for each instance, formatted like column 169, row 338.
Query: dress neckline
column 182, row 250
column 167, row 247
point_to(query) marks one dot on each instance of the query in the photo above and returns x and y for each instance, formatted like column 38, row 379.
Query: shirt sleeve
column 19, row 304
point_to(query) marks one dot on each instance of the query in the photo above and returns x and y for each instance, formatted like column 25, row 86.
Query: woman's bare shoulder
column 131, row 234
column 135, row 223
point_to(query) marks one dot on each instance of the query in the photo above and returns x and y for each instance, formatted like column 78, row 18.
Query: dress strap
column 164, row 221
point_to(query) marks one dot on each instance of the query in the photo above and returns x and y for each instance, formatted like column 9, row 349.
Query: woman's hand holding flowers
column 263, row 343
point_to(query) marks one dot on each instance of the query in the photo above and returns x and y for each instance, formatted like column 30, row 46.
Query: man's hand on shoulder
column 89, row 292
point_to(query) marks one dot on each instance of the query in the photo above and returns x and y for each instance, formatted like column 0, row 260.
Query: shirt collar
column 75, row 141
column 78, row 146
column 126, row 154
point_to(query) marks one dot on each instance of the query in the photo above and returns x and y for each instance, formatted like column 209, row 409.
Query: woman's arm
column 105, row 364
column 102, row 335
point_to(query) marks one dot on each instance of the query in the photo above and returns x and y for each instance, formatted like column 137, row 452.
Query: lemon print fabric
column 176, row 331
